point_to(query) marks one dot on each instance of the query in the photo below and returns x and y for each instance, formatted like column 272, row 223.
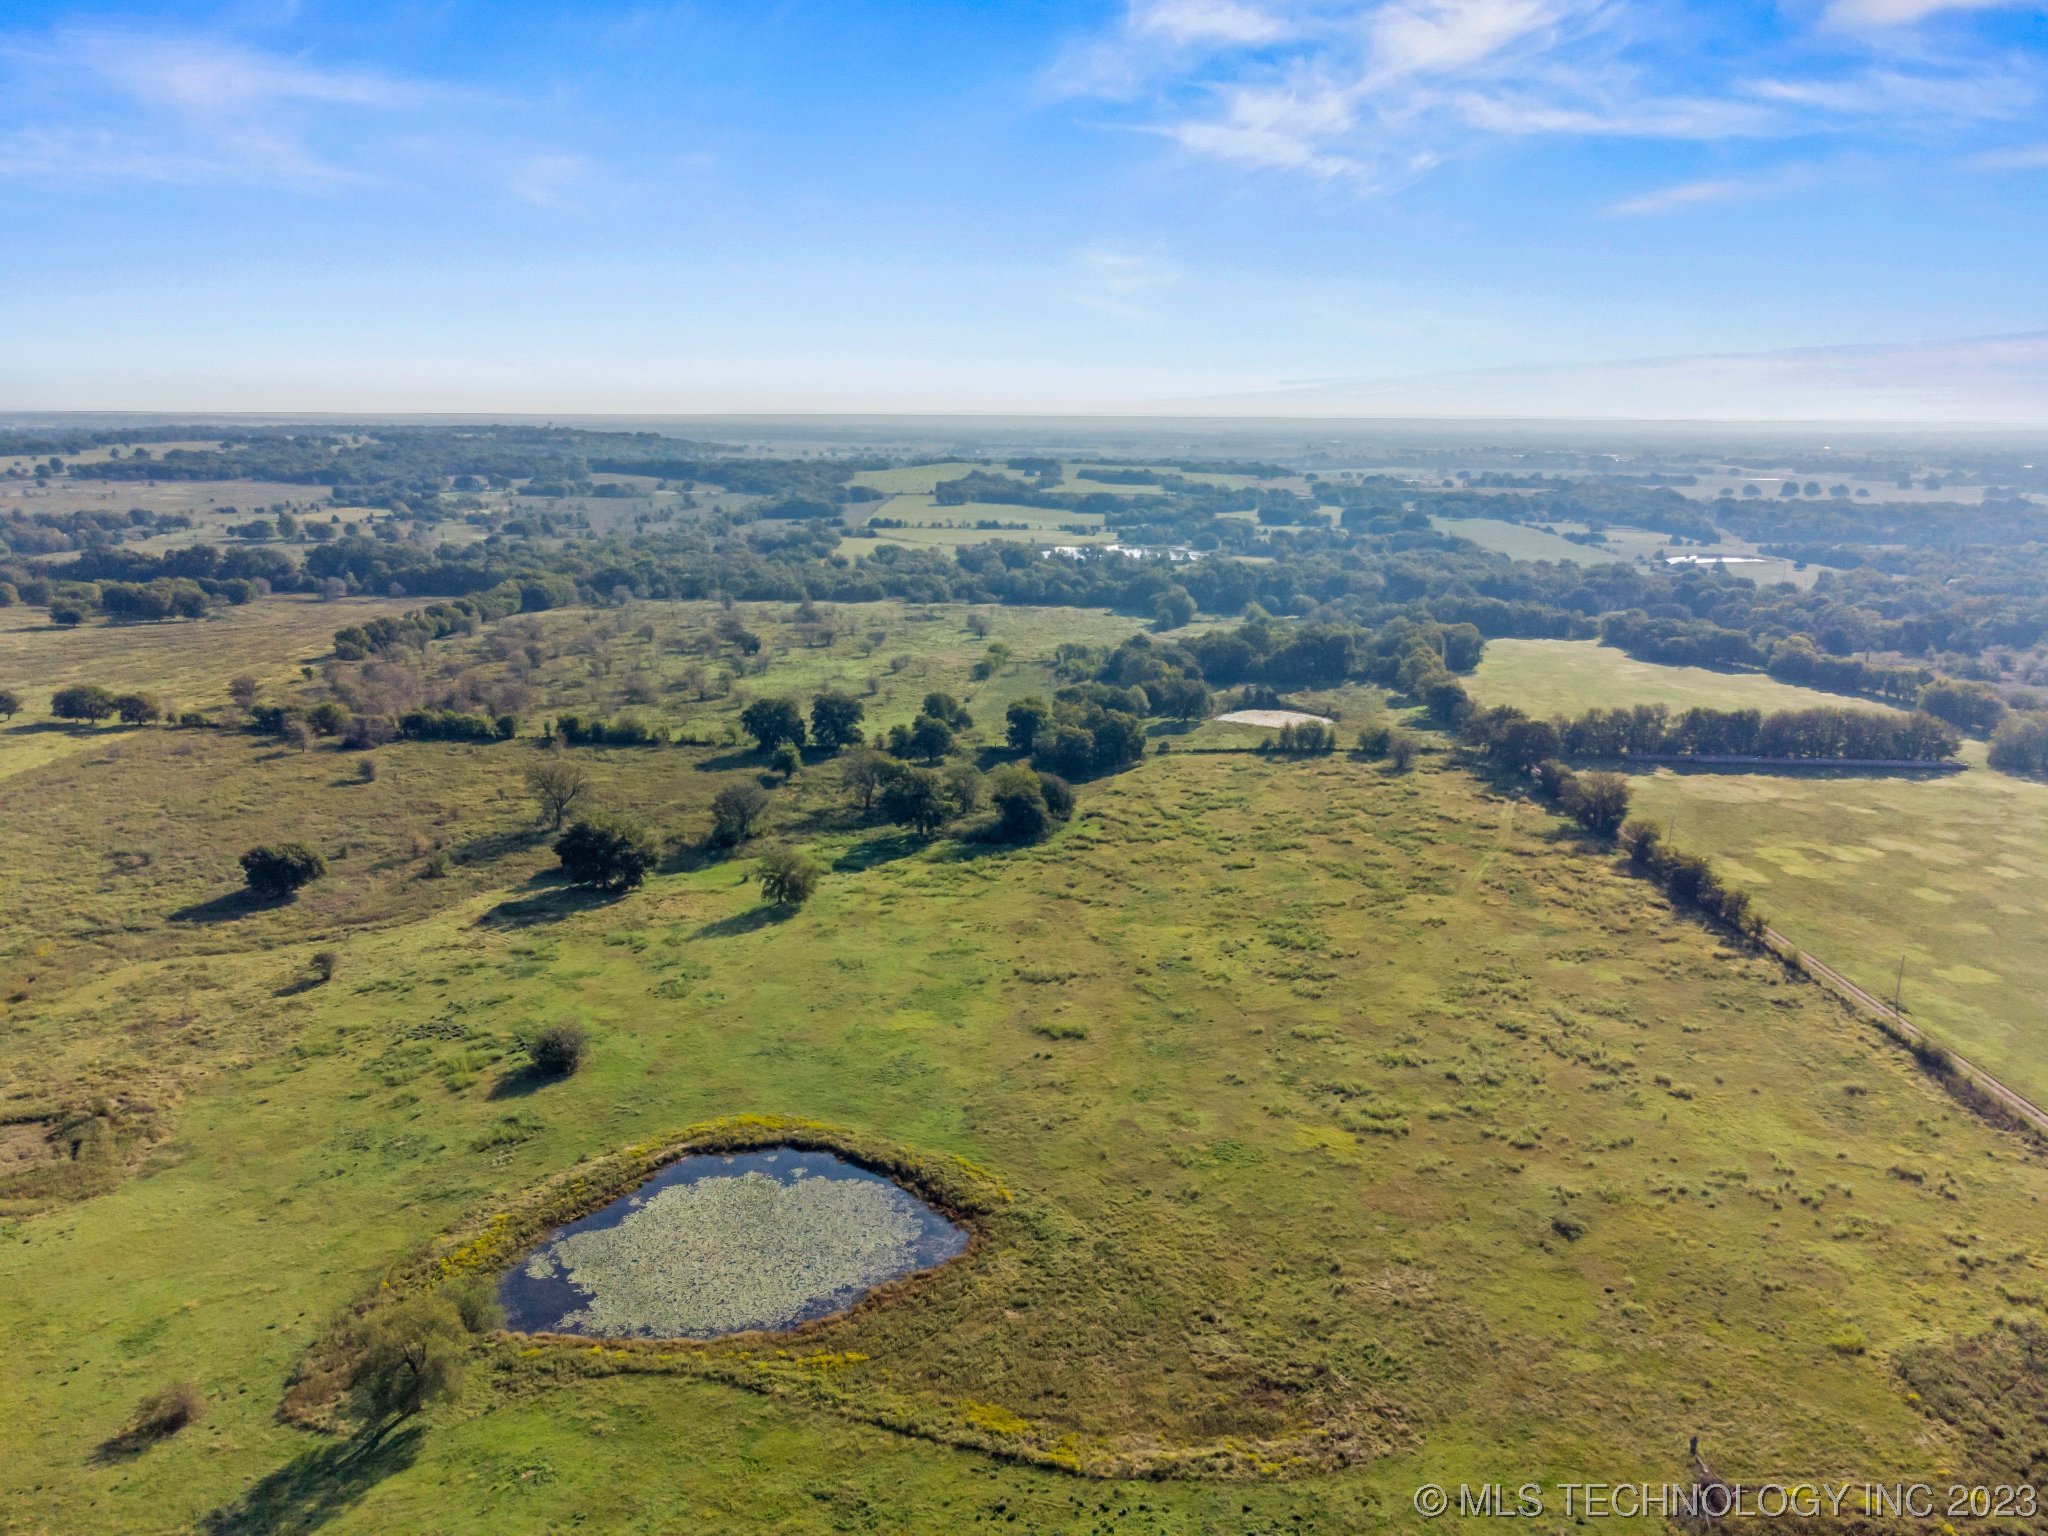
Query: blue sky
column 1441, row 205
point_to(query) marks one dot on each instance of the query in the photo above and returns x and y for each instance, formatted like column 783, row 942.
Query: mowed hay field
column 188, row 663
column 1862, row 869
column 1360, row 1130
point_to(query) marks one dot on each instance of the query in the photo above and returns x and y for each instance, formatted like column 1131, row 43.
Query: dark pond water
column 719, row 1243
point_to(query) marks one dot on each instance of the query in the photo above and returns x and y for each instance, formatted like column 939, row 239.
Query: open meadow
column 1347, row 1128
column 1865, row 870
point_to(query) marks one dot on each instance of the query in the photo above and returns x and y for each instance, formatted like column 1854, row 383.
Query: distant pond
column 718, row 1243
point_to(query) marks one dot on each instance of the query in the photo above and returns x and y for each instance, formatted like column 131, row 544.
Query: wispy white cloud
column 187, row 108
column 2023, row 157
column 1207, row 21
column 1697, row 194
column 1413, row 37
column 1902, row 13
column 1121, row 278
column 1376, row 91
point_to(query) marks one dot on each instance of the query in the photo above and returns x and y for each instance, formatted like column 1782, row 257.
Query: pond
column 719, row 1243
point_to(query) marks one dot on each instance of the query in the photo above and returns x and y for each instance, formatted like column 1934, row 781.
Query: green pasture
column 1360, row 1129
column 1864, row 870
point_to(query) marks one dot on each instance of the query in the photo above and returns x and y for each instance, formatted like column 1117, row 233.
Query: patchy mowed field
column 1361, row 1129
column 1864, row 870
column 188, row 663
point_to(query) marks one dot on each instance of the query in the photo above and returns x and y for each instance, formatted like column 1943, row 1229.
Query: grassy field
column 1523, row 541
column 1863, row 870
column 1360, row 1129
column 929, row 525
column 1520, row 541
column 188, row 663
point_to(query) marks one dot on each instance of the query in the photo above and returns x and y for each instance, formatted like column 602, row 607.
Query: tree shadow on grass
column 496, row 845
column 551, row 900
column 733, row 761
column 520, row 1083
column 753, row 920
column 306, row 1493
column 228, row 906
column 884, row 848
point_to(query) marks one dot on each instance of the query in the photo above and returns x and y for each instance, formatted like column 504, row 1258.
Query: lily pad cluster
column 729, row 1253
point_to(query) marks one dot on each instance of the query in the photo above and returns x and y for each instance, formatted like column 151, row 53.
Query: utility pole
column 1899, row 986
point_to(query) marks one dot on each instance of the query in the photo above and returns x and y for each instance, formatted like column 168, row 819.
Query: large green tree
column 835, row 720
column 774, row 723
column 606, row 852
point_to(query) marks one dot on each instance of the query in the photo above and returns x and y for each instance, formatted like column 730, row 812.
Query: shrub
column 2020, row 745
column 162, row 1414
column 1022, row 816
column 735, row 811
column 366, row 771
column 327, row 718
column 10, row 703
column 785, row 761
column 1059, row 796
column 1401, row 751
column 606, row 853
column 70, row 615
column 1643, row 840
column 558, row 1050
column 787, row 877
column 1374, row 741
column 325, row 963
column 277, row 871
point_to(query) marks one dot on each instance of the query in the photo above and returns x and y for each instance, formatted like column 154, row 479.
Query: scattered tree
column 82, row 701
column 915, row 797
column 606, row 853
column 1025, row 720
column 735, row 811
column 557, row 1050
column 774, row 723
column 1174, row 609
column 929, row 738
column 835, row 720
column 1025, row 811
column 964, row 788
column 409, row 1354
column 10, row 703
column 787, row 877
column 861, row 774
column 557, row 784
column 275, row 871
column 138, row 708
column 1601, row 803
column 944, row 707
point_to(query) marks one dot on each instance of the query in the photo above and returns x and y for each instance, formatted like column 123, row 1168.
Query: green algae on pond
column 721, row 1243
